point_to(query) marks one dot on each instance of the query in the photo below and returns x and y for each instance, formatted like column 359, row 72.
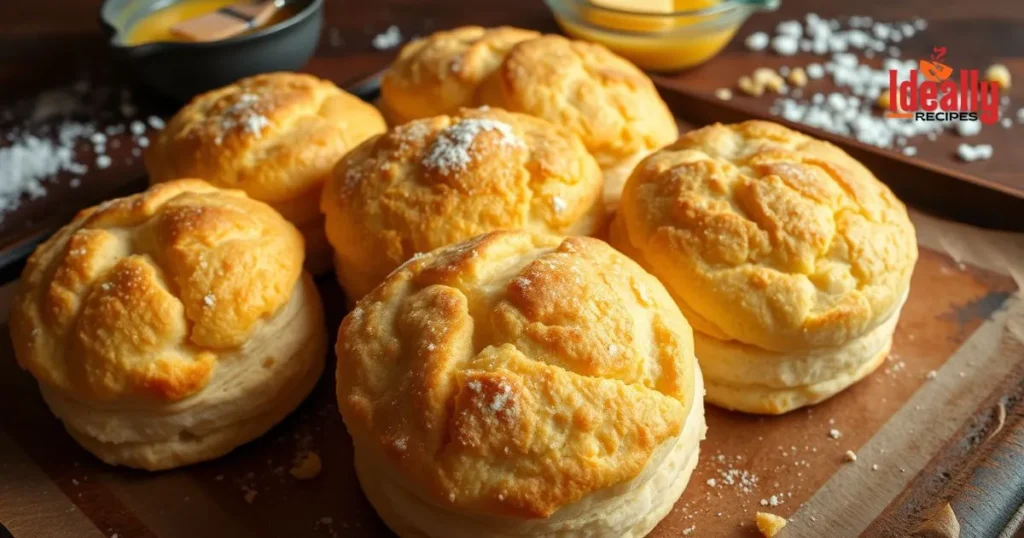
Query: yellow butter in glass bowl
column 660, row 35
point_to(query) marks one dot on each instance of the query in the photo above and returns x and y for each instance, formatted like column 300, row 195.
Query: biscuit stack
column 500, row 373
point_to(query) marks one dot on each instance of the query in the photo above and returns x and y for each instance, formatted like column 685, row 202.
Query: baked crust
column 768, row 237
column 514, row 374
column 136, row 297
column 441, row 73
column 275, row 136
column 607, row 101
column 436, row 181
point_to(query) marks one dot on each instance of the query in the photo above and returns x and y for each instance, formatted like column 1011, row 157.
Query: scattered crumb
column 219, row 477
column 968, row 128
column 969, row 153
column 712, row 482
column 250, row 494
column 689, row 530
column 1000, row 419
column 834, row 433
column 769, row 524
column 850, row 456
column 757, row 41
column 307, row 466
column 998, row 74
column 932, row 374
column 388, row 39
column 874, row 467
column 723, row 93
column 768, row 79
column 747, row 86
column 797, row 77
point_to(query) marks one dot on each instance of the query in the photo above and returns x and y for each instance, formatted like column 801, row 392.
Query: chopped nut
column 769, row 524
column 307, row 466
column 999, row 74
column 747, row 85
column 768, row 79
column 883, row 100
column 723, row 93
column 850, row 456
column 797, row 77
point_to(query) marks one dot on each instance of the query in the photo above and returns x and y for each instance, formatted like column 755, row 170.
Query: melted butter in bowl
column 661, row 35
column 140, row 39
column 156, row 26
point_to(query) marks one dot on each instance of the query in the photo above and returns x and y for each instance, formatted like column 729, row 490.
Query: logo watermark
column 932, row 93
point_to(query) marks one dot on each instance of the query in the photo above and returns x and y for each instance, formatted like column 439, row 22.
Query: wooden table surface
column 52, row 43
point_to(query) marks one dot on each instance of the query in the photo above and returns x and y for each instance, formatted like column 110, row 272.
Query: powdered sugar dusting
column 558, row 204
column 501, row 398
column 452, row 149
column 243, row 113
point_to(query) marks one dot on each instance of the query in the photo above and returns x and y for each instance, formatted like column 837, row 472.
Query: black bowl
column 182, row 70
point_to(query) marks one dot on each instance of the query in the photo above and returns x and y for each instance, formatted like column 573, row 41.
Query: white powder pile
column 501, row 398
column 969, row 153
column 244, row 113
column 50, row 137
column 25, row 165
column 388, row 39
column 451, row 150
column 851, row 109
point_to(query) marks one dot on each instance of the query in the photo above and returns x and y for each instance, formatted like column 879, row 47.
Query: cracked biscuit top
column 513, row 374
column 441, row 73
column 768, row 237
column 276, row 136
column 435, row 181
column 135, row 298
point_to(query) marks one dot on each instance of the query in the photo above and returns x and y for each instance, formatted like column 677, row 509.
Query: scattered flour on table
column 857, row 54
column 60, row 135
column 388, row 39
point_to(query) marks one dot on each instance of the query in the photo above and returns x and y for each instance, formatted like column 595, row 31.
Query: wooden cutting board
column 898, row 419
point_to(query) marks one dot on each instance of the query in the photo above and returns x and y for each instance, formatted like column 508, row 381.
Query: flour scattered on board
column 388, row 39
column 452, row 149
column 850, row 50
column 60, row 136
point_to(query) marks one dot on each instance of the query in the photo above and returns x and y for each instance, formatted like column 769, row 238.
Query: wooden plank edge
column 979, row 472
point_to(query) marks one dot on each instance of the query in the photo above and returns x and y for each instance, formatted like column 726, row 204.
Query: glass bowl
column 659, row 41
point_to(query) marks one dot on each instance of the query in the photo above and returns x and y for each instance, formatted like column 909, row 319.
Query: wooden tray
column 931, row 440
column 50, row 487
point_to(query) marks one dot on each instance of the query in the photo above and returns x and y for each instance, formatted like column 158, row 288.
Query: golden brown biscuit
column 788, row 257
column 171, row 326
column 520, row 385
column 440, row 74
column 276, row 137
column 439, row 180
column 607, row 101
